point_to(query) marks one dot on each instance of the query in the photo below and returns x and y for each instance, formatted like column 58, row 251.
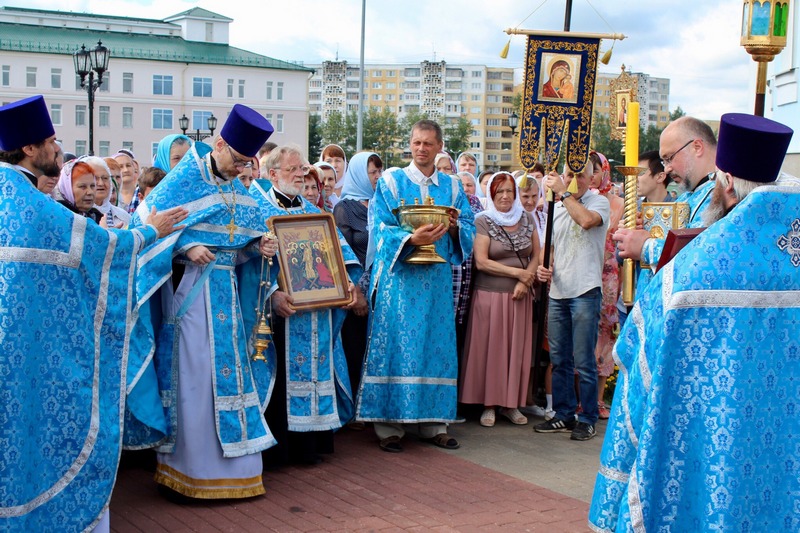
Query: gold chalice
column 418, row 215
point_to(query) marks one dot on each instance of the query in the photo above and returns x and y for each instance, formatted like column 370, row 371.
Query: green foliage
column 314, row 137
column 602, row 142
column 678, row 113
column 456, row 137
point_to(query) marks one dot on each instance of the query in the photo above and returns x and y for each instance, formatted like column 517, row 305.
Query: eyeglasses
column 238, row 162
column 668, row 160
column 305, row 169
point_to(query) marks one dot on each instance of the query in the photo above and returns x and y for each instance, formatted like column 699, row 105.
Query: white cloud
column 694, row 43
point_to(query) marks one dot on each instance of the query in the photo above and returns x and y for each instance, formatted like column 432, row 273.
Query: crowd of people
column 154, row 279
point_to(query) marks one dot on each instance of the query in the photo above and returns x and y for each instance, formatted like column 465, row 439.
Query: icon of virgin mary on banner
column 560, row 76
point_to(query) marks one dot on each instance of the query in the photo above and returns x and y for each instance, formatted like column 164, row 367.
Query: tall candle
column 632, row 135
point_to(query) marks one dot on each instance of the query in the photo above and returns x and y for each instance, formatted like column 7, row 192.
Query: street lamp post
column 87, row 64
column 764, row 27
column 183, row 124
column 513, row 122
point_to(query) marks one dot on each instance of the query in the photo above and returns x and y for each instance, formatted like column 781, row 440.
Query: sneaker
column 556, row 425
column 532, row 410
column 583, row 431
column 549, row 414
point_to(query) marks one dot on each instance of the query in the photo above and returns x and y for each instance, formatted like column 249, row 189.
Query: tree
column 314, row 136
column 334, row 130
column 649, row 139
column 678, row 113
column 381, row 132
column 602, row 142
column 456, row 137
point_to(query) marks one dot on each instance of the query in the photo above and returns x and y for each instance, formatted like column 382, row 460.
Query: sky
column 694, row 43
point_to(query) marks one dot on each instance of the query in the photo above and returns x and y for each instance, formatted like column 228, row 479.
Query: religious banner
column 560, row 75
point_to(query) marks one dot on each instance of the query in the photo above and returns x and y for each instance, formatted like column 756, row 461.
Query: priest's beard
column 47, row 167
column 716, row 208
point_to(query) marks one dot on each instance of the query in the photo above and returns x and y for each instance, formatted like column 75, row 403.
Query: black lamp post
column 211, row 122
column 87, row 63
column 513, row 122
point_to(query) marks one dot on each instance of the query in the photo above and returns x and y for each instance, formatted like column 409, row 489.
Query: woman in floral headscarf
column 609, row 316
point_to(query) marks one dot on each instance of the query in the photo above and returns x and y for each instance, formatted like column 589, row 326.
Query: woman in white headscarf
column 499, row 344
column 116, row 217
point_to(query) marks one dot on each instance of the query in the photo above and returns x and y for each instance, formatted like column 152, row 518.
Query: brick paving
column 361, row 488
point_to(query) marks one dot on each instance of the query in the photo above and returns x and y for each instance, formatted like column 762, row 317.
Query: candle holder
column 628, row 268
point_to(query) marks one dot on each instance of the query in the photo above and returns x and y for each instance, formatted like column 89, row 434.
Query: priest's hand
column 427, row 234
column 165, row 221
column 282, row 304
column 544, row 274
column 200, row 255
column 630, row 242
column 268, row 246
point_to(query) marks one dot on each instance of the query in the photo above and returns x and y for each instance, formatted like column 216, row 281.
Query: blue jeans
column 572, row 333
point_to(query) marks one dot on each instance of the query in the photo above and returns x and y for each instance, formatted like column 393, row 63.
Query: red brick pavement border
column 360, row 488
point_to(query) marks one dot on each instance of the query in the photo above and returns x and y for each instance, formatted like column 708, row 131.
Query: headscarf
column 164, row 146
column 372, row 245
column 503, row 219
column 322, row 160
column 356, row 183
column 322, row 165
column 314, row 174
column 477, row 167
column 605, row 181
column 465, row 174
column 105, row 207
column 65, row 181
column 441, row 155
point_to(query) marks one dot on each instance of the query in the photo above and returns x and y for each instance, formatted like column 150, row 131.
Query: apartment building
column 159, row 71
column 652, row 93
column 445, row 92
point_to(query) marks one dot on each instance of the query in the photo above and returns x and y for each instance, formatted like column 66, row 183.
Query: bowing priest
column 202, row 400
column 65, row 311
column 703, row 430
column 312, row 395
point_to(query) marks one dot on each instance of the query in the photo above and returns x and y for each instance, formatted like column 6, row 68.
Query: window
column 493, row 75
column 6, row 75
column 127, row 82
column 477, row 74
column 477, row 86
column 162, row 84
column 127, row 117
column 314, row 96
column 104, row 116
column 279, row 91
column 377, row 97
column 279, row 123
column 80, row 115
column 106, row 82
column 105, row 149
column 474, row 109
column 376, row 85
column 209, row 32
column 391, row 85
column 230, row 87
column 269, row 117
column 127, row 145
column 390, row 97
column 80, row 147
column 475, row 97
column 475, row 122
column 154, row 148
column 55, row 114
column 55, row 78
column 493, row 134
column 200, row 120
column 162, row 119
column 391, row 73
column 352, row 96
column 411, row 73
column 241, row 88
column 505, row 146
column 492, row 121
column 318, row 83
column 377, row 73
column 269, row 90
column 201, row 87
column 494, row 87
column 30, row 77
column 491, row 157
column 352, row 85
column 474, row 145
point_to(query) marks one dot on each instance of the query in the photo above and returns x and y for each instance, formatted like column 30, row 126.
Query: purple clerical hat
column 246, row 130
column 752, row 148
column 24, row 122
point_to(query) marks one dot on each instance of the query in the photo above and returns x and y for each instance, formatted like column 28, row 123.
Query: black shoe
column 391, row 444
column 555, row 425
column 583, row 431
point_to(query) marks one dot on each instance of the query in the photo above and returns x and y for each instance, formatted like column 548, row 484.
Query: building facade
column 159, row 71
column 445, row 92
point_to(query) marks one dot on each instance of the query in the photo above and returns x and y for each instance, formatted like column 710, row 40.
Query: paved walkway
column 503, row 478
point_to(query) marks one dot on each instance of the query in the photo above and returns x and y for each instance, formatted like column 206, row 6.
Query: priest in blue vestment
column 688, row 149
column 312, row 395
column 704, row 429
column 66, row 312
column 411, row 367
column 202, row 399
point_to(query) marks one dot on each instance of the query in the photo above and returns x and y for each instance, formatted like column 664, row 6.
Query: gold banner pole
column 628, row 267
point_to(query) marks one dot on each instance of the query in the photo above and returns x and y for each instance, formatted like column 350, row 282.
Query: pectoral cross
column 231, row 228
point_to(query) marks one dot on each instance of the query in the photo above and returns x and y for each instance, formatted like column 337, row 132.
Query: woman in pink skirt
column 498, row 349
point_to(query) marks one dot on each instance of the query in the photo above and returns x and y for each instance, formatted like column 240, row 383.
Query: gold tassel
column 504, row 51
column 607, row 56
column 573, row 186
